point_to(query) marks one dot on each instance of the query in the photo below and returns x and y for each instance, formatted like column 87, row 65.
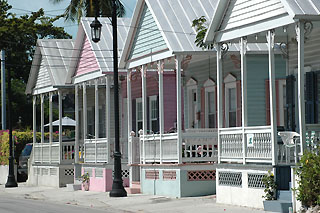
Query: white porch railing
column 312, row 136
column 100, row 151
column 133, row 150
column 50, row 153
column 248, row 144
column 198, row 145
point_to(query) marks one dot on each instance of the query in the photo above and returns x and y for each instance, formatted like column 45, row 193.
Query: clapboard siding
column 311, row 52
column 87, row 61
column 148, row 37
column 43, row 78
column 243, row 12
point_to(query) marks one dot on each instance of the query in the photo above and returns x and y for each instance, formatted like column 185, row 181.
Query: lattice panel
column 69, row 172
column 262, row 146
column 53, row 171
column 201, row 175
column 230, row 178
column 169, row 175
column 89, row 171
column 152, row 174
column 44, row 171
column 125, row 173
column 255, row 180
column 231, row 145
column 99, row 173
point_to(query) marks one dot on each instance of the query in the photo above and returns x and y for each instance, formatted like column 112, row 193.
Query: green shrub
column 308, row 191
column 270, row 186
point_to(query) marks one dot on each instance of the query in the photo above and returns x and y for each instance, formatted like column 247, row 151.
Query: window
column 91, row 117
column 210, row 106
column 154, row 122
column 102, row 121
column 282, row 102
column 192, row 103
column 139, row 113
column 230, row 101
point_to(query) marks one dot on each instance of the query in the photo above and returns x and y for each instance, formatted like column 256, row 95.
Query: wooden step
column 133, row 190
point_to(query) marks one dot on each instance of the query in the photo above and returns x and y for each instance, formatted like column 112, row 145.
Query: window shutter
column 317, row 90
column 216, row 103
column 267, row 103
column 148, row 114
column 277, row 103
column 238, row 88
column 158, row 116
column 310, row 97
column 290, row 102
column 224, row 105
column 203, row 108
column 134, row 128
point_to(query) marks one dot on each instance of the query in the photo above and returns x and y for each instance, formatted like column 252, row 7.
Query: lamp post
column 11, row 182
column 117, row 185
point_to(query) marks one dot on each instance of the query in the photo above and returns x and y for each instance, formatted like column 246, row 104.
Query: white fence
column 101, row 151
column 197, row 145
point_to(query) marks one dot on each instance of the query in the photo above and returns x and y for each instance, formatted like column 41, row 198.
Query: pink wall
column 169, row 90
column 87, row 62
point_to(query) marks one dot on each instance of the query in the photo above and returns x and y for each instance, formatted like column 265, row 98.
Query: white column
column 84, row 119
column 96, row 116
column 301, row 100
column 144, row 106
column 42, row 124
column 272, row 86
column 50, row 127
column 34, row 111
column 161, row 106
column 76, row 109
column 179, row 107
column 96, row 109
column 60, row 126
column 244, row 116
column 219, row 97
column 108, row 112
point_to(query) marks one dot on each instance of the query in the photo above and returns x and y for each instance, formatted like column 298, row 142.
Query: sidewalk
column 132, row 203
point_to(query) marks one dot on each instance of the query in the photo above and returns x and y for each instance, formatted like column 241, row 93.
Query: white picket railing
column 312, row 136
column 198, row 145
column 101, row 151
column 50, row 153
column 248, row 144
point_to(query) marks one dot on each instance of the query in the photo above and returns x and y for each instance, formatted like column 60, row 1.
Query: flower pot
column 86, row 185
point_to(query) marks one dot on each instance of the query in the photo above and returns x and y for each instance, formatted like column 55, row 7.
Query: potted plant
column 270, row 191
column 85, row 181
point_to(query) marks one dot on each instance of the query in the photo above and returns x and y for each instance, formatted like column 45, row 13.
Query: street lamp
column 117, row 185
column 96, row 30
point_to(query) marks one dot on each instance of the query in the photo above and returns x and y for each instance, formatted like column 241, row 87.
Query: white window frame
column 192, row 85
column 230, row 82
column 281, row 85
column 152, row 98
column 138, row 100
column 209, row 86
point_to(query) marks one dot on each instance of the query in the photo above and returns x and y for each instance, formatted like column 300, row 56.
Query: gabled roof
column 173, row 20
column 102, row 51
column 50, row 65
column 237, row 18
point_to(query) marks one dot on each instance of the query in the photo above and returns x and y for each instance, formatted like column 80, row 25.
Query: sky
column 21, row 7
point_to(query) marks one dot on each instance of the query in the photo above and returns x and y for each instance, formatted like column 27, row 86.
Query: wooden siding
column 43, row 78
column 311, row 54
column 148, row 37
column 87, row 60
column 244, row 12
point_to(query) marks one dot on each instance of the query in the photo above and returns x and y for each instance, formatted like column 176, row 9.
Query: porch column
column 179, row 109
column 272, row 86
column 50, row 126
column 96, row 116
column 34, row 111
column 161, row 106
column 144, row 107
column 96, row 108
column 76, row 108
column 108, row 113
column 84, row 119
column 244, row 114
column 301, row 100
column 219, row 97
column 60, row 126
column 42, row 124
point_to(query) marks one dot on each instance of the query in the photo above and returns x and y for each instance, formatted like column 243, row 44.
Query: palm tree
column 80, row 8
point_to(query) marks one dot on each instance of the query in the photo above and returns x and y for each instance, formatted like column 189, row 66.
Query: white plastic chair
column 289, row 140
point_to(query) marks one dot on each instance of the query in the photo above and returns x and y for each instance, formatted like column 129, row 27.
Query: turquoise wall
column 148, row 38
column 258, row 73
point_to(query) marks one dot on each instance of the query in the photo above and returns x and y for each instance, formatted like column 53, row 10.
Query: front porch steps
column 73, row 187
column 134, row 189
column 282, row 204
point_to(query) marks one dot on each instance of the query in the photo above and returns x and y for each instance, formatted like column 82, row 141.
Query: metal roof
column 103, row 49
column 55, row 54
column 302, row 7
